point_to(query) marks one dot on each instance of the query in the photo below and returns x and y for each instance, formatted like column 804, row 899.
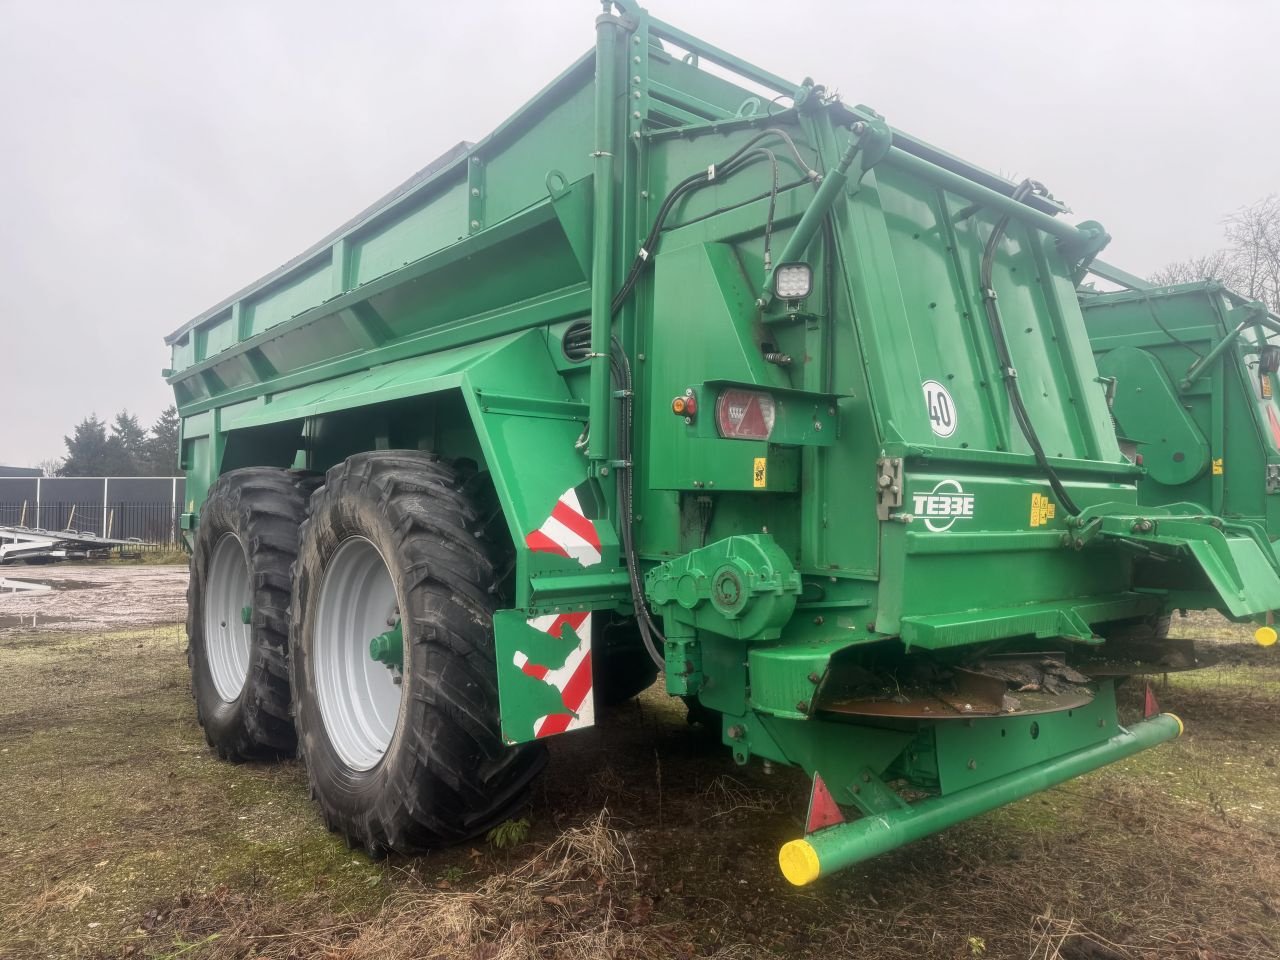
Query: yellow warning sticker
column 759, row 477
column 1217, row 467
column 1042, row 509
column 1266, row 387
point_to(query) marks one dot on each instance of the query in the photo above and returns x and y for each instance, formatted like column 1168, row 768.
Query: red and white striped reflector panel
column 572, row 681
column 567, row 532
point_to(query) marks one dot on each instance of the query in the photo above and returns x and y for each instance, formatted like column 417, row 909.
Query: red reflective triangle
column 1149, row 706
column 823, row 811
column 752, row 422
column 741, row 414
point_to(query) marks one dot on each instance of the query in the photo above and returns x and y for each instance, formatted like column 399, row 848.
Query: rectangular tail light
column 745, row 414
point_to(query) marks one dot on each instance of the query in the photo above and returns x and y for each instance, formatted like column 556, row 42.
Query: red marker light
column 745, row 414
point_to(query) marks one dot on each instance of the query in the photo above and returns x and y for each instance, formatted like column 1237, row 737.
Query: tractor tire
column 406, row 759
column 244, row 548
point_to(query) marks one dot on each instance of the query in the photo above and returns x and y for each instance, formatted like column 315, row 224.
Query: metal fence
column 125, row 508
column 153, row 523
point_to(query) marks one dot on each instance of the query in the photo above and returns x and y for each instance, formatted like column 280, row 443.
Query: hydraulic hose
column 620, row 364
column 621, row 367
column 1007, row 371
column 714, row 173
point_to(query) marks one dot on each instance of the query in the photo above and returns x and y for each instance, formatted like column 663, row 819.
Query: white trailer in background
column 25, row 543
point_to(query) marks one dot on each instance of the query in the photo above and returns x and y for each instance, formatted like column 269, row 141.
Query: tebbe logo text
column 943, row 505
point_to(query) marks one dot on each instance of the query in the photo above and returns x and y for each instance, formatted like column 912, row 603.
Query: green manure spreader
column 684, row 368
column 1191, row 373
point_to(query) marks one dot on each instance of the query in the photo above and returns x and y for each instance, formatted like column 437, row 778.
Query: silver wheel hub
column 359, row 697
column 227, row 637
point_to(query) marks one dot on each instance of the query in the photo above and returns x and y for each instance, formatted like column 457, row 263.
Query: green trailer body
column 814, row 478
column 1193, row 395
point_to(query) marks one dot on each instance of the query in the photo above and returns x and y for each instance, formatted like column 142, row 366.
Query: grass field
column 122, row 836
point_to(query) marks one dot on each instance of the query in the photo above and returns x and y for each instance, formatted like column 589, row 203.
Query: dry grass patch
column 726, row 796
column 576, row 899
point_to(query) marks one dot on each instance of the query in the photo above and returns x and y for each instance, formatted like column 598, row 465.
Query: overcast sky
column 156, row 155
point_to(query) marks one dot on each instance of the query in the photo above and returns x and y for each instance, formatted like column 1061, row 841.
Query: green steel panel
column 573, row 205
column 984, row 749
column 1064, row 619
column 531, row 454
column 1149, row 412
column 214, row 337
column 405, row 378
column 516, row 175
column 948, row 352
column 702, row 338
column 278, row 305
column 1242, row 574
column 781, row 675
column 439, row 221
column 1002, row 558
column 182, row 352
column 1233, row 407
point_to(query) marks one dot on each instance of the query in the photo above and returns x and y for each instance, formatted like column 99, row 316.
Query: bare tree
column 51, row 466
column 1213, row 266
column 1249, row 264
column 1254, row 235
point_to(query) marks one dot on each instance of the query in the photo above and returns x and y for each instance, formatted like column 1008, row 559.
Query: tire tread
column 458, row 779
column 268, row 506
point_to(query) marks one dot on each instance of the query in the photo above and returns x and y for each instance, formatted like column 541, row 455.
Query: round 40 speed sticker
column 940, row 407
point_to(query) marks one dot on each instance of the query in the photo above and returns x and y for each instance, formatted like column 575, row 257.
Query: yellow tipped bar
column 1265, row 636
column 834, row 848
column 799, row 862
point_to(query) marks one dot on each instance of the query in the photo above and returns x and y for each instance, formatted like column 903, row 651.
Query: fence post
column 37, row 523
column 173, row 512
column 105, row 481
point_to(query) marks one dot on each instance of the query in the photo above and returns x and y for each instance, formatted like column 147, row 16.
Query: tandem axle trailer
column 751, row 389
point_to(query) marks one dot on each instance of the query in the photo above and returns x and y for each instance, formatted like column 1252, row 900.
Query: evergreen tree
column 128, row 443
column 161, row 452
column 125, row 449
column 88, row 452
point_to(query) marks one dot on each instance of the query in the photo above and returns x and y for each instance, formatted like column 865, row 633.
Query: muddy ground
column 122, row 836
column 94, row 597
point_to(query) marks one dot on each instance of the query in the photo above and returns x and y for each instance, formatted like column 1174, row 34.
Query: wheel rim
column 359, row 697
column 227, row 638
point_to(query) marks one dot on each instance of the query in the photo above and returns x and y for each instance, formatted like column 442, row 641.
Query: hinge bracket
column 888, row 486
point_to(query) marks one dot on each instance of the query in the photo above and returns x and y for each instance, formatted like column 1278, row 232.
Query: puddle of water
column 61, row 585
